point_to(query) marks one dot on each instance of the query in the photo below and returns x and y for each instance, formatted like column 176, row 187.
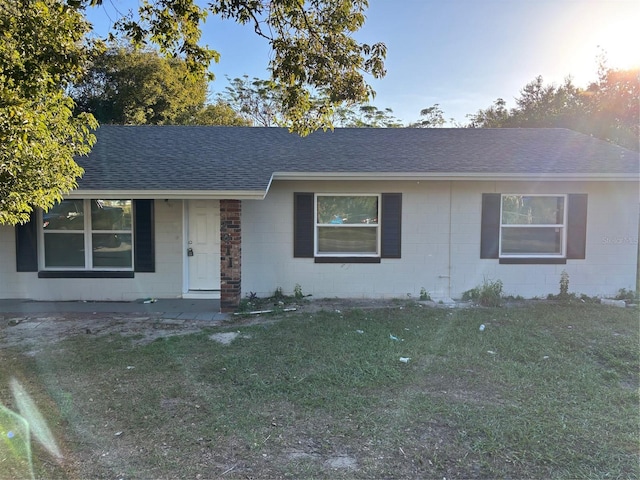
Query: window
column 354, row 228
column 88, row 234
column 532, row 225
column 533, row 228
column 347, row 225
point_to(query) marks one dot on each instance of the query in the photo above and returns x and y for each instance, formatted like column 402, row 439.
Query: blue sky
column 461, row 54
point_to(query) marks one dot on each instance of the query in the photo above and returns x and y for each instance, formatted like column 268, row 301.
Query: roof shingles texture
column 244, row 158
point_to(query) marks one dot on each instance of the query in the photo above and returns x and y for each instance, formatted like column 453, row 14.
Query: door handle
column 189, row 252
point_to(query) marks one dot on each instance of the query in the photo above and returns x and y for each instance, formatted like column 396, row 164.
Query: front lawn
column 544, row 391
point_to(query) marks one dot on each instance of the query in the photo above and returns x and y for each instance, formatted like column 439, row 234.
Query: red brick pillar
column 230, row 254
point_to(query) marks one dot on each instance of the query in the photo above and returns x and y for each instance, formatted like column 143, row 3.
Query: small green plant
column 628, row 296
column 277, row 294
column 244, row 306
column 297, row 292
column 564, row 284
column 489, row 294
column 471, row 295
column 424, row 295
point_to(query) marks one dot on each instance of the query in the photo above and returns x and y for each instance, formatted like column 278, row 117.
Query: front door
column 203, row 245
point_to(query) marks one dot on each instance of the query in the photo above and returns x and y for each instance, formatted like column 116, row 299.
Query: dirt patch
column 30, row 331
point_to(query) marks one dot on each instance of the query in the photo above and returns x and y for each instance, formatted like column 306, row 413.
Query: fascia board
column 397, row 176
column 170, row 194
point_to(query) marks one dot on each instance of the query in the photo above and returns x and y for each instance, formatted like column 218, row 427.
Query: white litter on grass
column 405, row 359
column 359, row 331
column 491, row 352
column 613, row 303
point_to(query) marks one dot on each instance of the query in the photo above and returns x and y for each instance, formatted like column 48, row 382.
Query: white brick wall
column 428, row 260
column 166, row 282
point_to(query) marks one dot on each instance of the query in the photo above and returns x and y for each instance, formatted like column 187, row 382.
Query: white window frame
column 562, row 227
column 375, row 226
column 87, row 232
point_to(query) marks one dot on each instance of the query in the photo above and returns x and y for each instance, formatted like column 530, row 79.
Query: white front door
column 203, row 245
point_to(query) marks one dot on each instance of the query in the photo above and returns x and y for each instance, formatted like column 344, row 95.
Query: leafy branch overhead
column 41, row 54
column 44, row 52
column 313, row 49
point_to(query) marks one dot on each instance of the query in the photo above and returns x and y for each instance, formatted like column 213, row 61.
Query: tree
column 366, row 116
column 41, row 54
column 260, row 102
column 432, row 117
column 613, row 103
column 608, row 108
column 312, row 48
column 495, row 116
column 219, row 113
column 139, row 87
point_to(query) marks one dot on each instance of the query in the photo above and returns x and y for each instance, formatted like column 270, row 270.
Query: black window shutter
column 577, row 225
column 303, row 225
column 391, row 223
column 27, row 245
column 144, row 236
column 490, row 229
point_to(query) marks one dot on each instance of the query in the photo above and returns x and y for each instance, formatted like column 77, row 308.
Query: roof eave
column 170, row 194
column 412, row 176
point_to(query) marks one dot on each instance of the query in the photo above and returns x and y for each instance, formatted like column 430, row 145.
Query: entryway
column 202, row 249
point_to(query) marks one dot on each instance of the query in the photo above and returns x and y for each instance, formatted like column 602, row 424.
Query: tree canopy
column 260, row 103
column 609, row 108
column 137, row 87
column 313, row 49
column 129, row 86
column 41, row 54
column 44, row 50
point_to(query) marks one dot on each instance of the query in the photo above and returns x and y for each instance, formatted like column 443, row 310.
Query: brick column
column 230, row 254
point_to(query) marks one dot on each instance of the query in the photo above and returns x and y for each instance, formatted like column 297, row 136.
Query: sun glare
column 619, row 39
column 621, row 45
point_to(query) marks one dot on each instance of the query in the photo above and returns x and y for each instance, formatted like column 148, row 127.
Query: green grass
column 545, row 391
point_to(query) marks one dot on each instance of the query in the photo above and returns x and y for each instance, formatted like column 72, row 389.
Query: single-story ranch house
column 183, row 211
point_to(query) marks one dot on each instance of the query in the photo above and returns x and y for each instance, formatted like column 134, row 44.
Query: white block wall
column 440, row 243
column 166, row 282
column 440, row 248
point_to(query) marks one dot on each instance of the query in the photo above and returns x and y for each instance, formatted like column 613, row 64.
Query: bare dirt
column 30, row 331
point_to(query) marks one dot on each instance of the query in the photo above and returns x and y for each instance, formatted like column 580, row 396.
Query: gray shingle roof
column 244, row 158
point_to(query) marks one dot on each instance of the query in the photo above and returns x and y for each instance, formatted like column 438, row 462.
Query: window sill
column 347, row 259
column 86, row 274
column 533, row 261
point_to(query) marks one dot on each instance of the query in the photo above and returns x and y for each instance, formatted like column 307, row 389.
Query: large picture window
column 347, row 225
column 88, row 235
column 532, row 225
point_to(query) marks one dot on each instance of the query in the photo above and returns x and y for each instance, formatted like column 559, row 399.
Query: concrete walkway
column 177, row 308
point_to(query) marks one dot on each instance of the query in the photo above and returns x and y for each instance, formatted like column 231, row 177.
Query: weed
column 277, row 294
column 424, row 295
column 297, row 292
column 489, row 294
column 628, row 296
column 564, row 284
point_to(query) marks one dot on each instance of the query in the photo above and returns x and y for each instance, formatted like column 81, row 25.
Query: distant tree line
column 126, row 86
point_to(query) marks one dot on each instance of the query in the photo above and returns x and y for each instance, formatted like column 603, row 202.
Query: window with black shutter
column 351, row 228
